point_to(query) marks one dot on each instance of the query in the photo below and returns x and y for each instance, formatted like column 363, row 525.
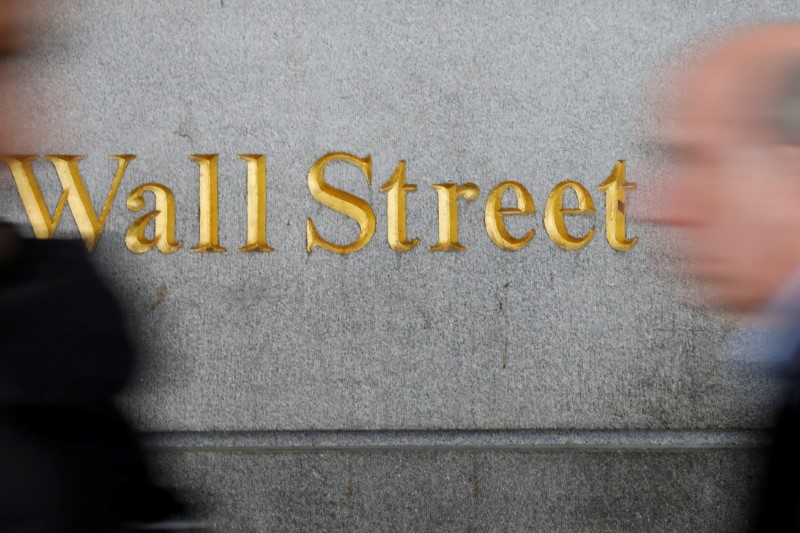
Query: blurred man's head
column 735, row 188
column 20, row 24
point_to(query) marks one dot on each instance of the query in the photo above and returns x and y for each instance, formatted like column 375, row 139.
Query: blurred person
column 69, row 461
column 734, row 132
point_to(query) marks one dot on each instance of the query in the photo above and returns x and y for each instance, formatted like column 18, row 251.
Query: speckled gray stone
column 541, row 390
column 537, row 92
column 591, row 492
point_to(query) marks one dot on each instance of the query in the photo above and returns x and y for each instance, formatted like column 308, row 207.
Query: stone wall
column 484, row 390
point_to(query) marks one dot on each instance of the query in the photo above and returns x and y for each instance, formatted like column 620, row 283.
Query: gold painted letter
column 340, row 201
column 396, row 209
column 74, row 193
column 256, row 204
column 209, row 198
column 614, row 188
column 163, row 218
column 495, row 224
column 555, row 211
column 449, row 193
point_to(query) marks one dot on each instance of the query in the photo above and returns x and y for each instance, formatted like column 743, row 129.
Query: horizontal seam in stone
column 450, row 440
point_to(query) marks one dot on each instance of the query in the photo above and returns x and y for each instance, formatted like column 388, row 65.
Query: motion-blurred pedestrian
column 734, row 136
column 69, row 462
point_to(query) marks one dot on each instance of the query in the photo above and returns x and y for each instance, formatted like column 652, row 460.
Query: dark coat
column 71, row 463
column 780, row 508
column 63, row 338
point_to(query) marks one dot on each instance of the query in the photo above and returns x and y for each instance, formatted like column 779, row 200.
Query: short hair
column 784, row 112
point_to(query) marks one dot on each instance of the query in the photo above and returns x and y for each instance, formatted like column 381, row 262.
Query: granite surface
column 576, row 492
column 537, row 92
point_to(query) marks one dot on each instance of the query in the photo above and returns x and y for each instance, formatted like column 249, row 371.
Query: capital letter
column 256, row 204
column 340, row 201
column 163, row 217
column 615, row 187
column 449, row 193
column 396, row 209
column 555, row 211
column 90, row 226
column 209, row 199
column 495, row 224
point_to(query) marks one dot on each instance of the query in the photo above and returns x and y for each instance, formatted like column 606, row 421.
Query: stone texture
column 617, row 491
column 537, row 92
column 554, row 391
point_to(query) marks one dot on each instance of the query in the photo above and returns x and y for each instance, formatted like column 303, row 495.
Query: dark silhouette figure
column 69, row 460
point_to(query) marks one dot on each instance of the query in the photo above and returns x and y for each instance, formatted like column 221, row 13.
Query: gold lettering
column 340, row 201
column 495, row 223
column 396, row 209
column 256, row 204
column 615, row 187
column 554, row 213
column 74, row 193
column 449, row 193
column 163, row 218
column 209, row 204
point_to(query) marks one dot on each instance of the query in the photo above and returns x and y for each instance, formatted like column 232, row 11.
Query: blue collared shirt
column 771, row 336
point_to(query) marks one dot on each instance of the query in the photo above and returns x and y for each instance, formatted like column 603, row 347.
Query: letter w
column 74, row 192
